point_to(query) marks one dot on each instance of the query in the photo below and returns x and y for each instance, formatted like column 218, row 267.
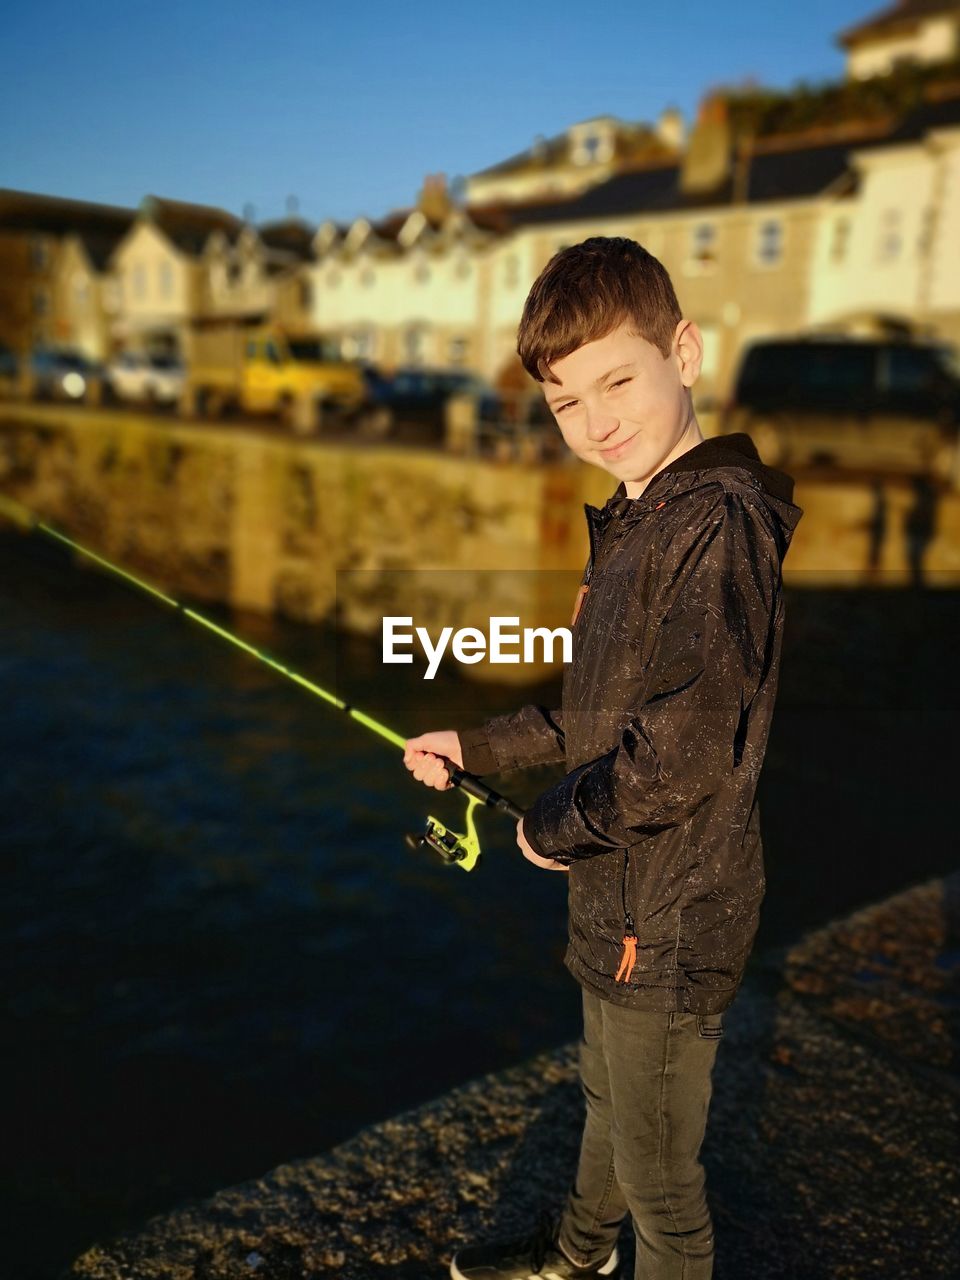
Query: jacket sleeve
column 716, row 601
column 532, row 735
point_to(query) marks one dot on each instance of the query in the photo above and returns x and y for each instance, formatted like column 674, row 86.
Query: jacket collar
column 734, row 450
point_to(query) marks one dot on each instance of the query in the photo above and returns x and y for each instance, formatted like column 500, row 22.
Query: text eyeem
column 506, row 642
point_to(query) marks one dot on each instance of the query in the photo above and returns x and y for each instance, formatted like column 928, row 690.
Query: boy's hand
column 422, row 756
column 549, row 864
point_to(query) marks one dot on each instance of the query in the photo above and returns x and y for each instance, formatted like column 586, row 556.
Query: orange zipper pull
column 629, row 957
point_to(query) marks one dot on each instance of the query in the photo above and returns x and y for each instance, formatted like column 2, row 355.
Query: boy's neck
column 692, row 436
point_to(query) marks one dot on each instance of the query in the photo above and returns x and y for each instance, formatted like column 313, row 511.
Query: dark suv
column 873, row 405
column 412, row 403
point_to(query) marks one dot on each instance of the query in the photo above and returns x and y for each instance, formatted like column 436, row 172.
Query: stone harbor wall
column 830, row 1153
column 315, row 530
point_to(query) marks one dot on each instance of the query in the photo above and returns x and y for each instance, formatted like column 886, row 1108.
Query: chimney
column 434, row 199
column 706, row 163
column 671, row 128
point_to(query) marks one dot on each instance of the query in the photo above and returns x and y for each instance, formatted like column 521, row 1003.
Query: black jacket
column 666, row 710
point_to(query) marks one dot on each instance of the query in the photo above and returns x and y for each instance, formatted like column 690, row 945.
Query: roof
column 905, row 14
column 778, row 169
column 938, row 111
column 188, row 226
column 100, row 245
column 780, row 175
column 30, row 211
column 631, row 142
column 292, row 235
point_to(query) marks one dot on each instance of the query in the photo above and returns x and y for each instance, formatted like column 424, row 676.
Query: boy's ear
column 688, row 346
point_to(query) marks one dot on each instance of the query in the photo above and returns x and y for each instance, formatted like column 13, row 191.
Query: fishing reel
column 455, row 849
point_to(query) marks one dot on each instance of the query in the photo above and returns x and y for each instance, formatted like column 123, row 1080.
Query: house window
column 839, row 240
column 703, row 249
column 927, row 227
column 38, row 254
column 891, row 236
column 41, row 302
column 458, row 349
column 414, row 343
column 360, row 344
column 81, row 291
column 234, row 272
column 166, row 280
column 770, row 242
column 139, row 285
column 305, row 292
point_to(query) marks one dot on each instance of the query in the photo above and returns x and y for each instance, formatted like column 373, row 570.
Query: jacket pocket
column 710, row 1026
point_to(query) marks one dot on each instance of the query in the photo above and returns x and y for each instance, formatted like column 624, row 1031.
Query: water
column 218, row 955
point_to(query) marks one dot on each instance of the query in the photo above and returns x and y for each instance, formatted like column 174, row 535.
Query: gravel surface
column 831, row 1149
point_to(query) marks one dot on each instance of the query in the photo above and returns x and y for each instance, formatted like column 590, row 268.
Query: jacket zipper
column 628, row 957
column 595, row 550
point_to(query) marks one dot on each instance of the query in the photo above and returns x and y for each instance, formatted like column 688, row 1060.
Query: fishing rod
column 454, row 848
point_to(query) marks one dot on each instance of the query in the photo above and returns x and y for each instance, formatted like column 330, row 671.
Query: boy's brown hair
column 585, row 291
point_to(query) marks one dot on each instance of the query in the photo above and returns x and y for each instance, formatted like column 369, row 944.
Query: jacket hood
column 697, row 467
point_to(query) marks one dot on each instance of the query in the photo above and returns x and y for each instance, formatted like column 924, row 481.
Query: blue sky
column 347, row 106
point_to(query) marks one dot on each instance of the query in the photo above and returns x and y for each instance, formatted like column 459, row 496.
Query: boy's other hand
column 426, row 757
column 549, row 864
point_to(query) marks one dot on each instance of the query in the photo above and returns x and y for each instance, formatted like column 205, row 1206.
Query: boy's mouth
column 615, row 451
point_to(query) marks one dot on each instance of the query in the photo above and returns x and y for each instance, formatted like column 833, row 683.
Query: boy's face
column 622, row 406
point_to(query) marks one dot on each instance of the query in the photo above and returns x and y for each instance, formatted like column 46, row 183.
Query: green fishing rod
column 455, row 849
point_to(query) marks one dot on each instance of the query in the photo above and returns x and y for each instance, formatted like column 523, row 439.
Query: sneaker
column 526, row 1258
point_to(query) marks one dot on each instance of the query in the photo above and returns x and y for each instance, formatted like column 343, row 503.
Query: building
column 159, row 274
column 52, row 253
column 582, row 156
column 888, row 245
column 908, row 33
column 256, row 274
column 407, row 289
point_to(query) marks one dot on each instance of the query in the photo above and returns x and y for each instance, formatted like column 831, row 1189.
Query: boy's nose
column 600, row 425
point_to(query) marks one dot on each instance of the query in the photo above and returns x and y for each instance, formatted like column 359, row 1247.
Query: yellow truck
column 265, row 370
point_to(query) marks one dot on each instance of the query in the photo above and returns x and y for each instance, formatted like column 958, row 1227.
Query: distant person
column 877, row 528
column 665, row 717
column 920, row 526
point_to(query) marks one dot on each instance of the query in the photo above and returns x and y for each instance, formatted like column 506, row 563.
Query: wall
column 258, row 522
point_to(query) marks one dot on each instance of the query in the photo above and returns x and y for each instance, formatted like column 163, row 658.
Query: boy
column 666, row 711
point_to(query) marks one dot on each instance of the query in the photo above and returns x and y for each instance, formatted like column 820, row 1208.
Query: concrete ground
column 830, row 1153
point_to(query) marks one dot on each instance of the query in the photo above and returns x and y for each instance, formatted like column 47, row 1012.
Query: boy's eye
column 570, row 403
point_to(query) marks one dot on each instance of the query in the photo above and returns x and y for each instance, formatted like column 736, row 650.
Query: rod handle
column 480, row 791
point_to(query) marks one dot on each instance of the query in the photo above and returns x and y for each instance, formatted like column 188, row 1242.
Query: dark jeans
column 647, row 1082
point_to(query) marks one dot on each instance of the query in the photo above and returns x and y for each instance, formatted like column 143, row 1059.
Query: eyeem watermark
column 506, row 642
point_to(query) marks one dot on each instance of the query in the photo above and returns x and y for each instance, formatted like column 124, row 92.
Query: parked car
column 9, row 371
column 60, row 373
column 878, row 404
column 412, row 402
column 146, row 378
column 302, row 378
